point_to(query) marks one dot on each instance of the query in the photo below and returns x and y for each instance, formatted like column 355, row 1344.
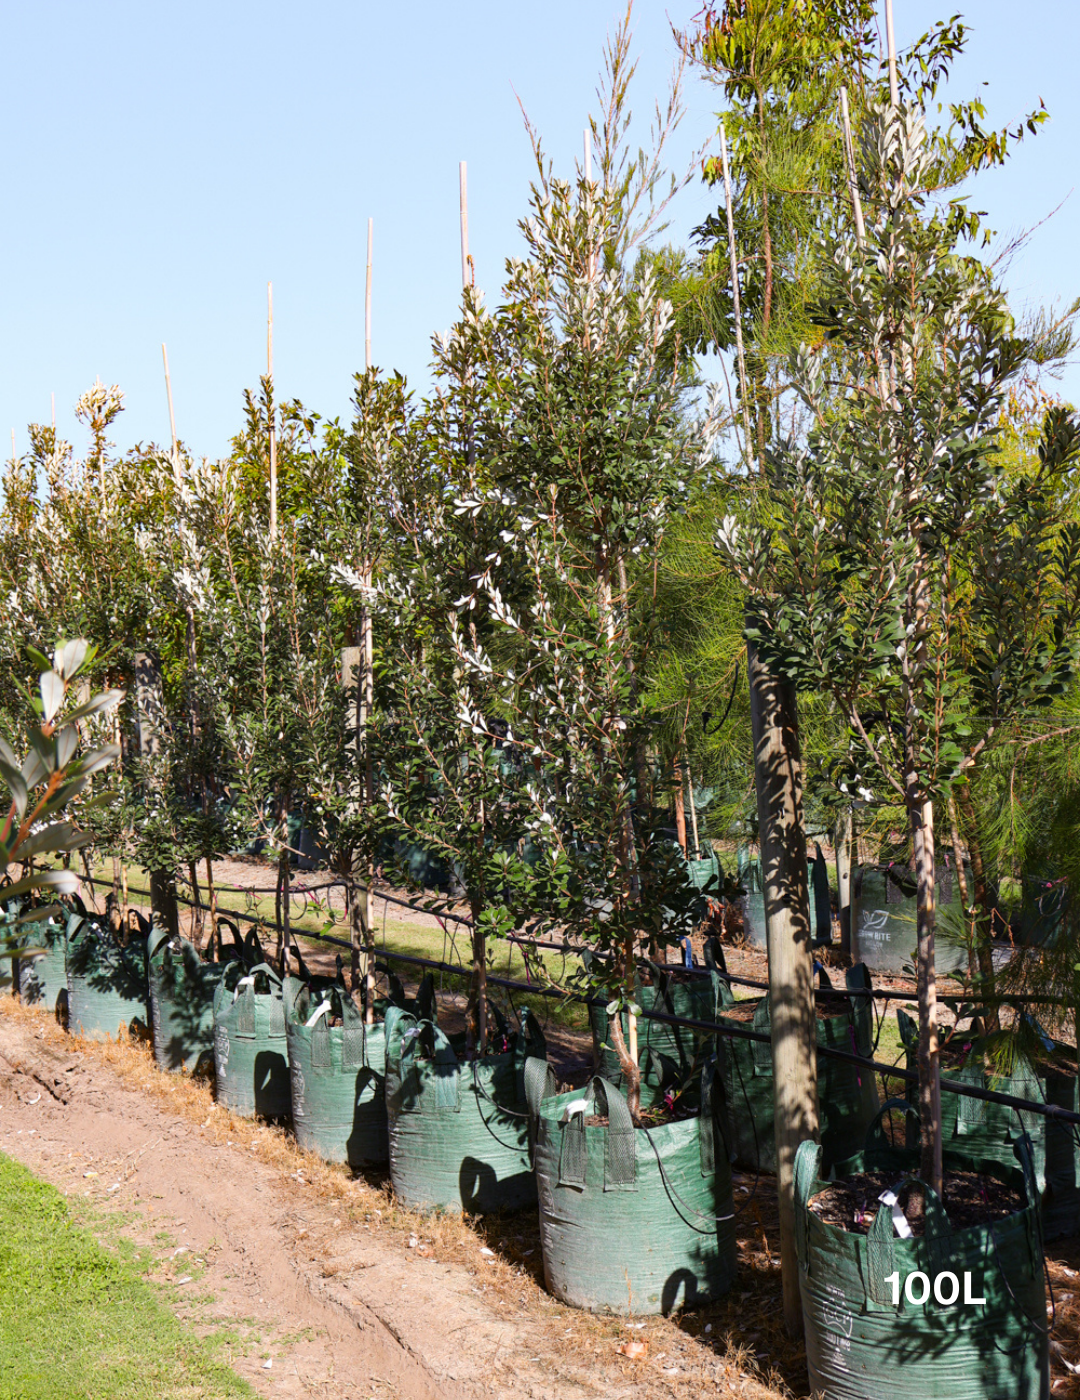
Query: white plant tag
column 244, row 982
column 319, row 1011
column 578, row 1106
column 899, row 1219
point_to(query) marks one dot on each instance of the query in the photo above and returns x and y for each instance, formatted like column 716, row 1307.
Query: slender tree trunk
column 984, row 907
column 778, row 778
column 680, row 807
column 211, row 893
column 197, row 907
column 921, row 818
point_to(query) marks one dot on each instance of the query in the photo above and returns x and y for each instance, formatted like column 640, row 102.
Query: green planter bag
column 107, row 981
column 673, row 993
column 459, row 1129
column 862, row 1344
column 251, row 1056
column 42, row 980
column 337, row 1073
column 182, row 987
column 884, row 935
column 982, row 1131
column 632, row 1221
column 847, row 1094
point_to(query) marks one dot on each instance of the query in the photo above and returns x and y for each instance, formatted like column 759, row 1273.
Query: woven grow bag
column 632, row 1221
column 752, row 903
column 847, row 1094
column 42, row 980
column 674, row 992
column 337, row 1073
column 884, row 936
column 251, row 1055
column 107, row 981
column 182, row 987
column 861, row 1346
column 982, row 1131
column 459, row 1129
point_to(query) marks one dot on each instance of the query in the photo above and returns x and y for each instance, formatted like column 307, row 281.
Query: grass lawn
column 79, row 1321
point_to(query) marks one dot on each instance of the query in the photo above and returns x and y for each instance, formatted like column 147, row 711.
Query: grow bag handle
column 807, row 1169
column 406, row 1035
column 620, row 1141
column 875, row 1133
column 857, row 979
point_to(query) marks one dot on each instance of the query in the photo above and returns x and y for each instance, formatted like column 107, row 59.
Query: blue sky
column 165, row 162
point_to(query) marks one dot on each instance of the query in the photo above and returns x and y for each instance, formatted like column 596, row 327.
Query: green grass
column 79, row 1321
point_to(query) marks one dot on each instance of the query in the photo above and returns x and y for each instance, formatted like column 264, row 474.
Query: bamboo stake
column 466, row 261
column 367, row 295
column 890, row 39
column 273, row 411
column 736, row 302
column 853, row 180
column 693, row 813
column 168, row 392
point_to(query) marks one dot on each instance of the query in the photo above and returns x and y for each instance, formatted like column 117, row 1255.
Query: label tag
column 899, row 1219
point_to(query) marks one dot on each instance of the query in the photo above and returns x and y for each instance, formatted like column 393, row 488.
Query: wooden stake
column 367, row 295
column 853, row 179
column 842, row 841
column 273, row 411
column 778, row 778
column 466, row 261
column 693, row 812
column 890, row 39
column 736, row 302
column 168, row 392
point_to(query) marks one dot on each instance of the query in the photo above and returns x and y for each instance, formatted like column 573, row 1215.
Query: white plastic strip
column 244, row 982
column 899, row 1219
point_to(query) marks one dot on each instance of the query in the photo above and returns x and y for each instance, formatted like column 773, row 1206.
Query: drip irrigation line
column 1044, row 1110
column 877, row 993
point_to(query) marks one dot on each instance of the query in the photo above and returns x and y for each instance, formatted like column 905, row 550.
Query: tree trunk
column 778, row 777
column 680, row 807
column 626, row 1046
column 921, row 817
column 984, row 906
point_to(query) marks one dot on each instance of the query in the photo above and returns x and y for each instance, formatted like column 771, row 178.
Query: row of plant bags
column 672, row 991
column 251, row 1059
column 182, row 987
column 752, row 903
column 107, row 978
column 459, row 1127
column 860, row 1344
column 847, row 1094
column 884, row 934
column 984, row 1131
column 632, row 1220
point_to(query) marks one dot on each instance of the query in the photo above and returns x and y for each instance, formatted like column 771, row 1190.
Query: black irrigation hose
column 1049, row 1111
column 878, row 994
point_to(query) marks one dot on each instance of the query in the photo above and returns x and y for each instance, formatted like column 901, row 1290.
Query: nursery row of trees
column 504, row 622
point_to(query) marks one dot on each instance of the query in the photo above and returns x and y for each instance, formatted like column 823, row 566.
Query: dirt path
column 349, row 1297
